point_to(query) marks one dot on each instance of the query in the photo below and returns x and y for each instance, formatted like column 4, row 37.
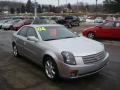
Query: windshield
column 54, row 33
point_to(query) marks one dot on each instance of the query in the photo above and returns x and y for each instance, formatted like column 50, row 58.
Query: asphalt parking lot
column 22, row 74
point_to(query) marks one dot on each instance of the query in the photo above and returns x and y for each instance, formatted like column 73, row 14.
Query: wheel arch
column 91, row 32
column 48, row 55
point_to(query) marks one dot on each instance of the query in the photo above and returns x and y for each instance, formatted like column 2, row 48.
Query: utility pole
column 66, row 4
column 35, row 9
column 96, row 7
column 58, row 3
column 77, row 6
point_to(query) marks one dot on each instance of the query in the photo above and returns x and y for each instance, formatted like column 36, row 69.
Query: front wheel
column 50, row 69
column 91, row 35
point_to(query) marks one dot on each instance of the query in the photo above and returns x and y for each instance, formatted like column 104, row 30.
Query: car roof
column 44, row 25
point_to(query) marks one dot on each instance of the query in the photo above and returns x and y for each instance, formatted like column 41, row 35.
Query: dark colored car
column 108, row 29
column 21, row 23
column 69, row 21
column 73, row 19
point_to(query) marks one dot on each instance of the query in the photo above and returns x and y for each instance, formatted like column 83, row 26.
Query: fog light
column 73, row 73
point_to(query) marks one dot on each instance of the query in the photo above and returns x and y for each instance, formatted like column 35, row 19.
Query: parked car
column 21, row 23
column 69, row 21
column 2, row 22
column 108, row 29
column 74, row 20
column 9, row 25
column 64, row 22
column 59, row 51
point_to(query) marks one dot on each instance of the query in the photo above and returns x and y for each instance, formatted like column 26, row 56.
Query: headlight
column 68, row 58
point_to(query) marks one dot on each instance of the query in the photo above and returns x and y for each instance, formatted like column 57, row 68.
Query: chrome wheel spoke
column 15, row 51
column 49, row 68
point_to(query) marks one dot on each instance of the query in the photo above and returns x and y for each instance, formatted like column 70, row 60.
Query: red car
column 108, row 29
column 22, row 23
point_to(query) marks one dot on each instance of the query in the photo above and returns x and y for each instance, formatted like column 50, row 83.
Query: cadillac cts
column 59, row 51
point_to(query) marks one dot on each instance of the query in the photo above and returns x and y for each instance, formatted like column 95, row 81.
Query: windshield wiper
column 58, row 38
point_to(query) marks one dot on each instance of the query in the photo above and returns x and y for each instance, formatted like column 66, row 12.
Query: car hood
column 79, row 46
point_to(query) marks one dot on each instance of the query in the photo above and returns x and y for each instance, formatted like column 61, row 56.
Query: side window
column 118, row 24
column 31, row 32
column 23, row 32
column 109, row 24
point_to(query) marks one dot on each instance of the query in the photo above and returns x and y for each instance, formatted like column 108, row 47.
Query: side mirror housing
column 32, row 38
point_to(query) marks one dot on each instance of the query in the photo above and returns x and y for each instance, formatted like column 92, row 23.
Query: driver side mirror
column 32, row 38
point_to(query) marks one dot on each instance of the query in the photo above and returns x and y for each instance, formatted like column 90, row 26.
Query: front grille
column 93, row 58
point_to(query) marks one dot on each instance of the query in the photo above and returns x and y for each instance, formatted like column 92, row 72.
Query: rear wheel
column 91, row 35
column 50, row 68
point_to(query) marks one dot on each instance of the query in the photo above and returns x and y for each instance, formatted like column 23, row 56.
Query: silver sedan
column 59, row 51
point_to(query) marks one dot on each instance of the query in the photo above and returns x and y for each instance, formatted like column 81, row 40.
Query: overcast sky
column 55, row 2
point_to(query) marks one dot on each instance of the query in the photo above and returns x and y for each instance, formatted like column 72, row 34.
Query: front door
column 32, row 47
column 106, row 30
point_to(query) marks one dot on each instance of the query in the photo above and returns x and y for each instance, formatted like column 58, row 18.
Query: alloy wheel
column 91, row 35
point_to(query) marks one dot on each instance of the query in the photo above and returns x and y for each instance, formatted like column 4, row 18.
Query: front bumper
column 76, row 71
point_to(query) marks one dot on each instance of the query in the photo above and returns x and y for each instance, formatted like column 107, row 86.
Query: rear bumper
column 71, row 71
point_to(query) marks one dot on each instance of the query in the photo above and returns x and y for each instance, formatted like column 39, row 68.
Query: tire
column 11, row 28
column 50, row 69
column 15, row 51
column 91, row 35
